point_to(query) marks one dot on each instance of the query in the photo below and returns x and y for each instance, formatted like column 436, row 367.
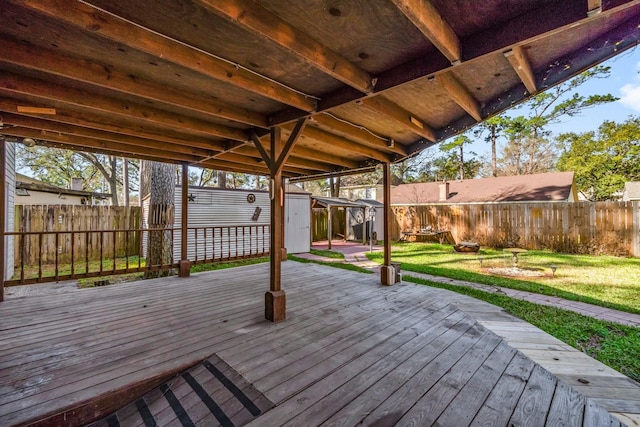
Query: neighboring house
column 30, row 191
column 9, row 203
column 631, row 191
column 544, row 187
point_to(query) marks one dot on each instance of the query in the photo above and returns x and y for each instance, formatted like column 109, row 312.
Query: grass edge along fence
column 611, row 228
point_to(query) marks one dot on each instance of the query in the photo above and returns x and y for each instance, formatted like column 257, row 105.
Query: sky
column 623, row 83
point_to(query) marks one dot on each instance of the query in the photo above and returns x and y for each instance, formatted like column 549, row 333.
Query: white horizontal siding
column 10, row 191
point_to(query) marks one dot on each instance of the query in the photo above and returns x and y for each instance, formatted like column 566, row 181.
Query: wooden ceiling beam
column 249, row 165
column 520, row 63
column 334, row 141
column 393, row 111
column 294, row 161
column 428, row 20
column 100, row 146
column 259, row 21
column 460, row 94
column 300, row 152
column 358, row 133
column 86, row 17
column 545, row 21
column 85, row 120
column 15, row 84
column 149, row 144
column 101, row 75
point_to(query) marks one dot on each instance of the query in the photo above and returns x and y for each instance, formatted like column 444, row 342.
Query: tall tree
column 57, row 167
column 492, row 128
column 528, row 148
column 524, row 153
column 458, row 143
column 604, row 160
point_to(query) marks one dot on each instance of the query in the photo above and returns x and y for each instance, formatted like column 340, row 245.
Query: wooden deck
column 351, row 352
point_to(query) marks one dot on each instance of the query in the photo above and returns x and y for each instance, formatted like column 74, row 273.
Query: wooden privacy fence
column 582, row 227
column 49, row 239
column 319, row 223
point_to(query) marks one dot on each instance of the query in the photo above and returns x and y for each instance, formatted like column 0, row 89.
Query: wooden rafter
column 550, row 19
column 460, row 94
column 300, row 152
column 400, row 115
column 85, row 120
column 429, row 21
column 520, row 63
column 52, row 62
column 56, row 127
column 84, row 16
column 100, row 144
column 358, row 134
column 297, row 161
column 14, row 84
column 252, row 17
column 337, row 142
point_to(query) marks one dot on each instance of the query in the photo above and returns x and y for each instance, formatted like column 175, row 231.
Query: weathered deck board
column 351, row 351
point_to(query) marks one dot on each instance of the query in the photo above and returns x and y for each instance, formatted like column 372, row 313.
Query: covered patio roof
column 201, row 82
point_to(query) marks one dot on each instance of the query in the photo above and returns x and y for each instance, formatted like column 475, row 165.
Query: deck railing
column 213, row 244
column 124, row 251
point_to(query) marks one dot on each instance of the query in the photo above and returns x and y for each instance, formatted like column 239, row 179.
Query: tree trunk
column 461, row 162
column 222, row 179
column 159, row 183
column 494, row 156
column 125, row 181
column 113, row 180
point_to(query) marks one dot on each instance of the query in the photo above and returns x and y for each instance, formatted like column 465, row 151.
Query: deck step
column 211, row 393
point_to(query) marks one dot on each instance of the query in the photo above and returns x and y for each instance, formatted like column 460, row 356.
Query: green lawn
column 601, row 280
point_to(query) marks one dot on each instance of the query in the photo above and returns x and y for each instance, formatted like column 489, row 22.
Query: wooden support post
column 185, row 264
column 3, row 213
column 387, row 273
column 329, row 226
column 275, row 298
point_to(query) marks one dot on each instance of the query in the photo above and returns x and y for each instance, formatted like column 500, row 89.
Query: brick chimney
column 444, row 191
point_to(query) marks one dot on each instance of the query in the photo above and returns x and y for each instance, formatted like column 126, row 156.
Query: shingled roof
column 544, row 187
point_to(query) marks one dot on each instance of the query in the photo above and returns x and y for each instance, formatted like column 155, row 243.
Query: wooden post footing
column 184, row 268
column 387, row 275
column 284, row 254
column 275, row 306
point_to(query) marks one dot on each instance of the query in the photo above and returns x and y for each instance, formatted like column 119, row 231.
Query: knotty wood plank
column 281, row 384
column 464, row 407
column 498, row 407
column 332, row 380
column 359, row 394
column 567, row 407
column 475, row 340
column 535, row 401
column 442, row 395
column 595, row 415
column 328, row 345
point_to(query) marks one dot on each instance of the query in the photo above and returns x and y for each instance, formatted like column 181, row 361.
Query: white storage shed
column 247, row 212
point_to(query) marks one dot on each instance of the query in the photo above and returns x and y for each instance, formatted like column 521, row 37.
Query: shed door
column 298, row 223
